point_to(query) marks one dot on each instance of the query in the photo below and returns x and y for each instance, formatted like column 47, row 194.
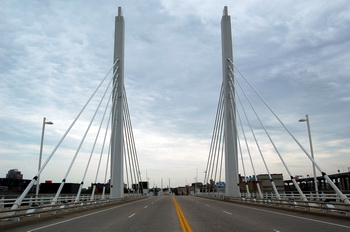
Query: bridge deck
column 160, row 214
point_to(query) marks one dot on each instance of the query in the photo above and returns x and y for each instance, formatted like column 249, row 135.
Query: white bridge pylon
column 117, row 138
column 225, row 136
column 230, row 130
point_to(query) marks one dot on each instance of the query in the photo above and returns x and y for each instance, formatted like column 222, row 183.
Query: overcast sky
column 53, row 54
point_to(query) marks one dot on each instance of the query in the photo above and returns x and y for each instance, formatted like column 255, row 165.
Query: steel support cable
column 273, row 144
column 222, row 156
column 258, row 146
column 219, row 144
column 128, row 152
column 128, row 140
column 219, row 147
column 250, row 156
column 222, row 143
column 128, row 165
column 19, row 200
column 127, row 173
column 207, row 170
column 115, row 117
column 103, row 144
column 134, row 152
column 94, row 145
column 209, row 161
column 105, row 179
column 213, row 139
column 100, row 159
column 133, row 160
column 232, row 108
column 243, row 167
column 211, row 157
column 215, row 144
column 129, row 145
column 54, row 200
column 240, row 150
column 128, row 161
column 342, row 196
column 105, row 136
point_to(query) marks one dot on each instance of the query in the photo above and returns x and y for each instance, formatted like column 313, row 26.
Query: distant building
column 209, row 187
column 14, row 174
column 141, row 187
column 14, row 181
column 341, row 180
column 68, row 188
column 144, row 187
column 14, row 185
column 252, row 184
column 183, row 190
column 196, row 187
column 99, row 188
column 266, row 182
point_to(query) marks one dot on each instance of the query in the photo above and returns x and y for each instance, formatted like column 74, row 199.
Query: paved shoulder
column 211, row 215
column 151, row 214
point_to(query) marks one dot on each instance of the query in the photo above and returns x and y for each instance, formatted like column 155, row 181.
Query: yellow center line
column 183, row 222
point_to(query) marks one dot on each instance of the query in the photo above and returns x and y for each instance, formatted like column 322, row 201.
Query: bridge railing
column 325, row 203
column 45, row 199
column 311, row 196
column 17, row 214
column 32, row 206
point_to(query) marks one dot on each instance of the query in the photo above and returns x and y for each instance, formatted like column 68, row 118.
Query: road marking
column 146, row 206
column 86, row 215
column 206, row 205
column 132, row 215
column 276, row 230
column 227, row 212
column 183, row 222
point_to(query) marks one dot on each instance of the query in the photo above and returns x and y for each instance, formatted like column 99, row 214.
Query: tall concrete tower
column 230, row 130
column 117, row 138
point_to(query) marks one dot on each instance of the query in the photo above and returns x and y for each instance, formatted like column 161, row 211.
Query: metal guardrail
column 43, row 205
column 324, row 206
column 311, row 196
column 45, row 199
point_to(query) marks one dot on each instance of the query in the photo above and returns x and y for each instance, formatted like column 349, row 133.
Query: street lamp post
column 306, row 119
column 41, row 153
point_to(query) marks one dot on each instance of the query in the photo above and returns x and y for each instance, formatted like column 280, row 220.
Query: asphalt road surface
column 159, row 214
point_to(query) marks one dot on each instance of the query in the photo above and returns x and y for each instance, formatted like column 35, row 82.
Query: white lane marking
column 206, row 205
column 227, row 212
column 287, row 215
column 146, row 206
column 132, row 215
column 86, row 215
column 276, row 230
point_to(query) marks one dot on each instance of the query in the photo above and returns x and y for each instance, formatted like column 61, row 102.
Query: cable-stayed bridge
column 229, row 145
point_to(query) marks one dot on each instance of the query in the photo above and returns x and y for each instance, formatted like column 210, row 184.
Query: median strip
column 184, row 224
